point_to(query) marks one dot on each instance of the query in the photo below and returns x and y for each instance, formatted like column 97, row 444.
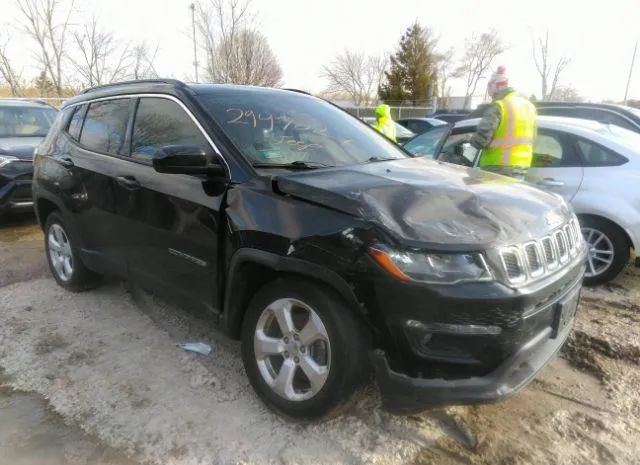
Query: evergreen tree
column 412, row 75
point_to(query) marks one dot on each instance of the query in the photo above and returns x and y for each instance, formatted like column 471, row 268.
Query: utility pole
column 633, row 61
column 193, row 28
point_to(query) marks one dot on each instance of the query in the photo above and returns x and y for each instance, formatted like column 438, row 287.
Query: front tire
column 64, row 258
column 608, row 250
column 304, row 350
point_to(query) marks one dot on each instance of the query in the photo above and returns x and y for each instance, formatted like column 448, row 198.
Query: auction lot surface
column 96, row 378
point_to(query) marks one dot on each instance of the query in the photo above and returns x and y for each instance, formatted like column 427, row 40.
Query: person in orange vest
column 506, row 131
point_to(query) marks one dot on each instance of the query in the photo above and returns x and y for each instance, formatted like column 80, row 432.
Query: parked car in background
column 23, row 125
column 418, row 125
column 595, row 166
column 450, row 118
column 402, row 134
column 619, row 115
column 326, row 248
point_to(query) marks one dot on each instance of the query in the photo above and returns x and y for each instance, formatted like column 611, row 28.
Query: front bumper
column 475, row 367
column 402, row 394
column 15, row 190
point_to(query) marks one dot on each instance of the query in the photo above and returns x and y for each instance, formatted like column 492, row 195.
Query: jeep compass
column 328, row 250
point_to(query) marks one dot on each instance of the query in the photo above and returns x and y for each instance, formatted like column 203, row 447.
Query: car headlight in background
column 432, row 267
column 6, row 159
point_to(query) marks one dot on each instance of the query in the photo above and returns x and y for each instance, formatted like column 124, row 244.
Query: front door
column 556, row 166
column 173, row 219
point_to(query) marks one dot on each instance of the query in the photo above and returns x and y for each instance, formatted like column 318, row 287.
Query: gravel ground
column 106, row 362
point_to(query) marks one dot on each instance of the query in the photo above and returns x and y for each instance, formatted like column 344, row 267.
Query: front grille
column 541, row 257
column 513, row 265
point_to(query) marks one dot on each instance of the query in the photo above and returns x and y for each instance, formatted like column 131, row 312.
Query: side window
column 426, row 143
column 105, row 126
column 552, row 149
column 547, row 151
column 160, row 122
column 596, row 155
column 75, row 125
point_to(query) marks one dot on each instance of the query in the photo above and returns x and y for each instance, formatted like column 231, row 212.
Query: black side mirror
column 186, row 159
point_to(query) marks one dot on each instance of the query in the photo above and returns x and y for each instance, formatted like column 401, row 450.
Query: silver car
column 594, row 166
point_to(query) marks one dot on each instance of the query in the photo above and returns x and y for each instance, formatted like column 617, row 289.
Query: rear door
column 556, row 166
column 173, row 220
column 94, row 159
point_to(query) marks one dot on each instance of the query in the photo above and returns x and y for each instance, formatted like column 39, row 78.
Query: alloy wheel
column 60, row 252
column 292, row 349
column 600, row 252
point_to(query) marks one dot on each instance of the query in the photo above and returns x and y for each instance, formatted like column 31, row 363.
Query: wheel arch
column 44, row 207
column 252, row 268
column 612, row 223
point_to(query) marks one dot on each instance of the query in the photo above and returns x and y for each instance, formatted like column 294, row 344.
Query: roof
column 434, row 121
column 14, row 102
column 168, row 86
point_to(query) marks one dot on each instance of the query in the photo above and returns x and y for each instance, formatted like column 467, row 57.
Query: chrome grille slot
column 549, row 253
column 560, row 240
column 571, row 241
column 534, row 259
column 513, row 264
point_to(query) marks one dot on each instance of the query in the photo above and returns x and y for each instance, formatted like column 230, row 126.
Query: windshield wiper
column 295, row 165
column 376, row 159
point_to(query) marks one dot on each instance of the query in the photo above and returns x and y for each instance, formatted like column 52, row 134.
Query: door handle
column 550, row 182
column 128, row 182
column 66, row 162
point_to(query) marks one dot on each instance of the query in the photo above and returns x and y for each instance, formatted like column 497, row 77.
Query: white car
column 594, row 166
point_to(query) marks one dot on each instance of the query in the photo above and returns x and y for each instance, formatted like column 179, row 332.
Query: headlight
column 6, row 159
column 432, row 268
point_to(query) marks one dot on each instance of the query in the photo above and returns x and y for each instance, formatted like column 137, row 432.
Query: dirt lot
column 105, row 364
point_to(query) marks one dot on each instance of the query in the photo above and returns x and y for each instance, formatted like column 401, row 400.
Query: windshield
column 280, row 128
column 401, row 131
column 25, row 121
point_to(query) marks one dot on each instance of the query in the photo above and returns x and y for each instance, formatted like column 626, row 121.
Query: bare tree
column 445, row 72
column 143, row 61
column 566, row 93
column 548, row 71
column 480, row 51
column 356, row 75
column 9, row 74
column 47, row 21
column 101, row 58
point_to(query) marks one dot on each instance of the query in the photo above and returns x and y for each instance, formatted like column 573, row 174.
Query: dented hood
column 425, row 203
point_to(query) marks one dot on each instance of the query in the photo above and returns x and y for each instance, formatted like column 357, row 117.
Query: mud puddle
column 31, row 434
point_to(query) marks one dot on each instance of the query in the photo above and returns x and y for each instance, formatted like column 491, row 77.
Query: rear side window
column 161, row 122
column 75, row 125
column 596, row 155
column 105, row 126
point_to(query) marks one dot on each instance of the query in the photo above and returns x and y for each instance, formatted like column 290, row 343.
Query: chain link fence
column 396, row 112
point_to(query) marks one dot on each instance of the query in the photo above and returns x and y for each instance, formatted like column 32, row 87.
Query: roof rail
column 296, row 90
column 174, row 82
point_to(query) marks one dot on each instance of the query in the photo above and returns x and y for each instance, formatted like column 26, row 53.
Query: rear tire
column 337, row 359
column 608, row 247
column 64, row 257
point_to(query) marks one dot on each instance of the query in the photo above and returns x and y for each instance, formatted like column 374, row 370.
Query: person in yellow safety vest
column 506, row 131
column 384, row 122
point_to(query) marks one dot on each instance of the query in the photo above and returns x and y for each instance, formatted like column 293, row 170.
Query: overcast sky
column 598, row 36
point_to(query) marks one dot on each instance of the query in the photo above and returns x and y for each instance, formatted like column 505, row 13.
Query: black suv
column 23, row 125
column 324, row 247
